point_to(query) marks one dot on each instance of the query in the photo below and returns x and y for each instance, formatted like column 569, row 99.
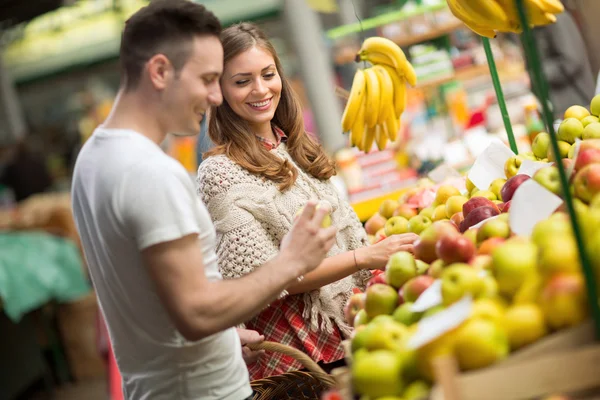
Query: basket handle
column 305, row 360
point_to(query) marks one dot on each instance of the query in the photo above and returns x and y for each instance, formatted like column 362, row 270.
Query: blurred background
column 58, row 78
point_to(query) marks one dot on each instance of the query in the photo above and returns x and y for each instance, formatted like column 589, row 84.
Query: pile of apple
column 523, row 288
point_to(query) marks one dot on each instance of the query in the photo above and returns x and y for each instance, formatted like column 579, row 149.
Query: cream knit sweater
column 251, row 216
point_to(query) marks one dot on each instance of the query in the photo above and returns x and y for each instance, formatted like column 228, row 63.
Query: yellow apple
column 488, row 309
column 514, row 260
column 469, row 185
column 377, row 374
column 444, row 192
column 387, row 208
column 454, row 205
column 496, row 187
column 524, row 324
column 480, row 343
column 427, row 212
column 564, row 301
column 439, row 213
column 559, row 254
column 578, row 112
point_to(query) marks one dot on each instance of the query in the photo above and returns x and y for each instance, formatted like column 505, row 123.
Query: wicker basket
column 295, row 385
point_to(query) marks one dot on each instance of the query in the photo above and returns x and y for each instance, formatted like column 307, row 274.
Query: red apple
column 374, row 224
column 457, row 218
column 379, row 278
column 586, row 157
column 477, row 202
column 589, row 144
column 505, row 207
column 355, row 303
column 567, row 163
column 424, row 247
column 482, row 261
column 405, row 210
column 487, row 246
column 511, row 185
column 455, row 249
column 587, row 182
column 414, row 287
column 478, row 215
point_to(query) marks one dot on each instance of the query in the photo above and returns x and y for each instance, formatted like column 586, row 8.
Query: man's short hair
column 163, row 27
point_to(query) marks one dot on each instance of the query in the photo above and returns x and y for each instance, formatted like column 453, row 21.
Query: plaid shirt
column 282, row 322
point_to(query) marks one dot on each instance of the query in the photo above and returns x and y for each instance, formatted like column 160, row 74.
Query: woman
column 263, row 169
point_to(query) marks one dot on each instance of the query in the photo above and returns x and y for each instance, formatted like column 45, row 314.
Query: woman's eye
column 242, row 82
column 269, row 75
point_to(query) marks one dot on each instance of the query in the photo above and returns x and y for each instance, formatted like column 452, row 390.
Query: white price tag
column 489, row 165
column 431, row 297
column 529, row 167
column 531, row 204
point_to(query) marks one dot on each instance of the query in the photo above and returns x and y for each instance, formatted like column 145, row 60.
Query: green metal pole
column 541, row 84
column 499, row 94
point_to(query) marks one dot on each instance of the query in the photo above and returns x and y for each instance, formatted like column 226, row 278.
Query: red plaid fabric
column 279, row 135
column 282, row 322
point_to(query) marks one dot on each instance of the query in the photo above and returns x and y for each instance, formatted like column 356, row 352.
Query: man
column 148, row 239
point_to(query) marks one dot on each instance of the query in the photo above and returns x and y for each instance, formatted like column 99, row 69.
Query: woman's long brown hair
column 234, row 138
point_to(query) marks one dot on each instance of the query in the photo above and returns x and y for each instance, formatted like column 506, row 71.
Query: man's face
column 190, row 93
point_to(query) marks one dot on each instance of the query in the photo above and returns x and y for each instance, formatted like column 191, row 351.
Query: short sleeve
column 158, row 205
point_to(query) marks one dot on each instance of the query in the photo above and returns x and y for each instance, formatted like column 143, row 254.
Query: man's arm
column 199, row 307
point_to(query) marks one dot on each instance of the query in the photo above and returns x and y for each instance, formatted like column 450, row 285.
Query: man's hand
column 307, row 243
column 250, row 337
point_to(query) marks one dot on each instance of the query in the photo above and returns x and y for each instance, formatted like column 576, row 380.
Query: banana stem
column 531, row 52
column 499, row 94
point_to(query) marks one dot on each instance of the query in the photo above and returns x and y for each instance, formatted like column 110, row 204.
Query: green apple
column 418, row 223
column 361, row 318
column 559, row 254
column 496, row 187
column 493, row 228
column 486, row 194
column 558, row 225
column 514, row 260
column 422, row 267
column 569, row 130
column 540, row 144
column 427, row 212
column 439, row 213
column 487, row 308
column 480, row 343
column 400, row 268
column 387, row 208
column 595, row 106
column 590, row 119
column 417, row 390
column 378, row 374
column 459, row 280
column 384, row 335
column 563, row 149
column 471, row 234
column 396, row 226
column 592, row 131
column 454, row 205
column 490, row 288
column 436, row 268
column 549, row 178
column 433, row 310
column 380, row 299
column 404, row 315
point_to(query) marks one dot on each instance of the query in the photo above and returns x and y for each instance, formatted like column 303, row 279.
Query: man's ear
column 159, row 70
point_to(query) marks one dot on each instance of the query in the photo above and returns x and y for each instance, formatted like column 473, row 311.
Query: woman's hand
column 376, row 256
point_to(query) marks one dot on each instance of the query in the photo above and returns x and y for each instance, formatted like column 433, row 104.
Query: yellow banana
column 386, row 86
column 553, row 6
column 487, row 13
column 377, row 45
column 410, row 74
column 536, row 14
column 358, row 128
column 357, row 92
column 380, row 137
column 465, row 15
column 391, row 127
column 488, row 33
column 399, row 90
column 373, row 103
column 369, row 138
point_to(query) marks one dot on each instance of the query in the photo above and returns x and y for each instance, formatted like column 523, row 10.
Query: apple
column 326, row 223
column 529, row 156
column 361, row 318
column 496, row 186
column 387, row 208
column 480, row 343
column 415, row 287
column 590, row 119
column 563, row 150
column 482, row 261
column 488, row 309
column 490, row 288
column 569, row 130
column 454, row 249
column 374, row 224
column 406, row 211
column 559, row 254
column 457, row 218
column 566, row 162
column 459, row 280
column 595, row 106
column 404, row 315
column 587, row 182
column 505, row 207
column 485, row 193
column 422, row 267
column 424, row 247
column 378, row 373
column 355, row 303
column 478, row 215
column 444, row 192
column 378, row 278
column 454, row 204
column 396, row 226
column 587, row 157
column 512, row 165
column 549, row 178
column 563, row 301
column 400, row 268
column 591, row 131
column 427, row 212
column 495, row 228
column 442, row 346
column 589, row 144
column 380, row 235
column 558, row 225
column 469, row 185
column 418, row 223
column 541, row 144
column 439, row 213
column 487, row 246
column 511, row 185
column 524, row 324
column 578, row 112
column 436, row 268
column 514, row 261
column 416, row 391
column 476, row 202
column 380, row 300
column 471, row 234
column 384, row 333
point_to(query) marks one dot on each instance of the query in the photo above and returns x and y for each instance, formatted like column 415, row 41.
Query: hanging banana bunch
column 378, row 95
column 486, row 17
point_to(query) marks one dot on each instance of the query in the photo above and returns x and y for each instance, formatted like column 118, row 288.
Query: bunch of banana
column 378, row 94
column 486, row 17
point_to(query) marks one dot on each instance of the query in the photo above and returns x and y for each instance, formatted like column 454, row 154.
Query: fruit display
column 378, row 95
column 488, row 17
column 522, row 288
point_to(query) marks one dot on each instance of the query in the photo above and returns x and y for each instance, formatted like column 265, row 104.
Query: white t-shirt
column 128, row 195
